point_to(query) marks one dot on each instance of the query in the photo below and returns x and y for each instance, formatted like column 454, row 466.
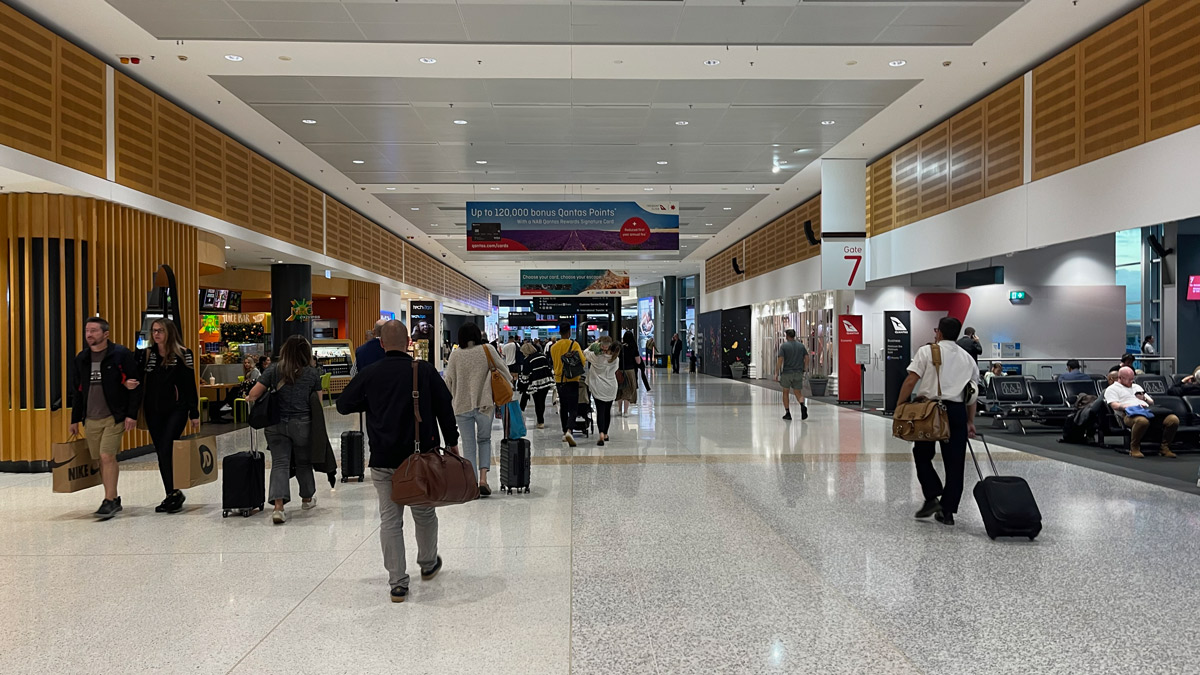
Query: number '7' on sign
column 854, row 272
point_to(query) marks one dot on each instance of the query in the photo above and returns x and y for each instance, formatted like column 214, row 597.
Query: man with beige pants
column 104, row 404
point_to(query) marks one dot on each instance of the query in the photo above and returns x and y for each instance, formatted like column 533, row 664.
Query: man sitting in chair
column 1124, row 395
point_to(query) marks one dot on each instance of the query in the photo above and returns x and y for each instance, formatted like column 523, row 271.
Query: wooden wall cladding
column 1172, row 66
column 282, row 201
column 28, row 80
column 75, row 257
column 134, row 135
column 967, row 155
column 81, row 130
column 208, row 169
column 1005, row 141
column 1111, row 70
column 883, row 208
column 337, row 230
column 261, row 189
column 718, row 270
column 1056, row 114
column 906, row 182
column 173, row 152
column 363, row 310
column 935, row 171
column 237, row 182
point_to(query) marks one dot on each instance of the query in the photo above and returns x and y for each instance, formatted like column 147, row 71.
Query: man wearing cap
column 1073, row 372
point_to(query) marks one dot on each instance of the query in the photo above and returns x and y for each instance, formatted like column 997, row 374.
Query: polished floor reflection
column 709, row 536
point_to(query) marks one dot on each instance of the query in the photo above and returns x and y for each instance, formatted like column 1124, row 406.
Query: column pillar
column 670, row 312
column 290, row 284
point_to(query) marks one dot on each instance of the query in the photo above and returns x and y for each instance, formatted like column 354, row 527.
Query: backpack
column 572, row 364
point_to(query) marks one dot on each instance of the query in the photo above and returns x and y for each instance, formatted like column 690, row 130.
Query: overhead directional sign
column 574, row 282
column 572, row 226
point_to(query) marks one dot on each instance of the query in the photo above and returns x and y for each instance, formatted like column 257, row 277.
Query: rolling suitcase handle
column 975, row 460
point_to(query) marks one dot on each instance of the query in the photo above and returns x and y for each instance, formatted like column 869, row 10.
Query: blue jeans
column 475, row 428
column 283, row 439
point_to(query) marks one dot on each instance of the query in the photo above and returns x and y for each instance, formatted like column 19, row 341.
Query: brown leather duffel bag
column 923, row 419
column 435, row 477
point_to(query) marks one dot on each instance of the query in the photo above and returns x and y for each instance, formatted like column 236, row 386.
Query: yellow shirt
column 556, row 353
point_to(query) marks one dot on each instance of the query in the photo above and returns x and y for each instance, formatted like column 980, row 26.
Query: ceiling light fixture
column 426, row 60
column 750, row 188
column 682, row 123
column 495, row 188
column 391, row 188
column 332, row 298
column 433, row 224
column 309, row 121
column 460, row 121
column 228, row 247
column 898, row 63
column 828, row 122
column 357, row 161
column 708, row 224
column 728, row 208
column 648, row 189
column 233, row 57
column 800, row 151
column 415, row 208
column 662, row 163
column 775, row 169
column 712, row 62
column 279, row 261
column 481, row 161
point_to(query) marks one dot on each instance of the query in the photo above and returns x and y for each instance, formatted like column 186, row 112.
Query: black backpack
column 572, row 364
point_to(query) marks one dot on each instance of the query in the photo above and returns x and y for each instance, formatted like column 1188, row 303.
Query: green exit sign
column 1016, row 296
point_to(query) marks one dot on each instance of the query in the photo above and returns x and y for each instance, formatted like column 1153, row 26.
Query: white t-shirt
column 1148, row 349
column 1119, row 393
column 958, row 368
column 509, row 349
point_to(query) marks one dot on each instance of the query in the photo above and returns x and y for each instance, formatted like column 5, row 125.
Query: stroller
column 584, row 424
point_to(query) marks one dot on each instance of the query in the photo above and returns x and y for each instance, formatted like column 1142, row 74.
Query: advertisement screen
column 572, row 226
column 1193, row 288
column 575, row 282
column 645, row 322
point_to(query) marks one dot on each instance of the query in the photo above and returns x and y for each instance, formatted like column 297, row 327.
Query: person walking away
column 385, row 393
column 169, row 401
column 970, row 344
column 627, row 390
column 676, row 352
column 791, row 361
column 104, row 405
column 371, row 351
column 948, row 383
column 567, row 387
column 536, row 380
column 603, row 359
column 291, row 381
column 509, row 350
column 469, row 377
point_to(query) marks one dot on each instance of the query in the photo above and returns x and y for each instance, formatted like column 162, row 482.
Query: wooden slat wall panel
column 337, row 230
column 719, row 268
column 967, row 155
column 882, row 197
column 261, row 190
column 760, row 255
column 28, row 80
column 81, row 131
column 1056, row 100
column 135, row 136
column 173, row 151
column 316, row 218
column 208, row 167
column 1112, row 114
column 363, row 310
column 814, row 214
column 237, row 182
column 1172, row 66
column 906, row 182
column 301, row 214
column 282, row 203
column 1005, row 139
column 935, row 170
column 125, row 247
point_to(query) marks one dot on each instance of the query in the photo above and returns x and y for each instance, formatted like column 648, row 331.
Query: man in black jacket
column 676, row 352
column 104, row 405
column 384, row 392
column 970, row 343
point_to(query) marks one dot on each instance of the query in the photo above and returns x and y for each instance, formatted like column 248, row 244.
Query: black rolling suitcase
column 352, row 454
column 515, row 456
column 1005, row 502
column 243, row 482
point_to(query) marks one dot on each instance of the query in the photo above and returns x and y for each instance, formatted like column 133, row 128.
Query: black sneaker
column 803, row 411
column 399, row 594
column 428, row 575
column 165, row 505
column 177, row 500
column 944, row 518
column 930, row 507
column 787, row 414
column 108, row 508
column 484, row 490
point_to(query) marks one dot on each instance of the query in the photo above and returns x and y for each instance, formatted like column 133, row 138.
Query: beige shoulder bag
column 923, row 419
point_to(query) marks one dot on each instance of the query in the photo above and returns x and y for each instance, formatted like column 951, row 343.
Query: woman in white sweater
column 602, row 361
column 468, row 375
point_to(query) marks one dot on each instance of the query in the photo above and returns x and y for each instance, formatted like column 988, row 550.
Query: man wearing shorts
column 791, row 362
column 105, row 405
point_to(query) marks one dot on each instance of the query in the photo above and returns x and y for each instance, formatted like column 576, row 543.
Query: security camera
column 233, row 267
column 443, row 255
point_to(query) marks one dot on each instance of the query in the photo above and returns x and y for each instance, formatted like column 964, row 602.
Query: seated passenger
column 1125, row 394
column 995, row 370
column 1188, row 386
column 1126, row 362
column 1074, row 373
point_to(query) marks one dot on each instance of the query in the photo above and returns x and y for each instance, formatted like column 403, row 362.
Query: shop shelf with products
column 335, row 357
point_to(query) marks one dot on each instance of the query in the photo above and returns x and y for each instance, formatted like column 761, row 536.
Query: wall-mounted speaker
column 736, row 269
column 1159, row 250
column 809, row 234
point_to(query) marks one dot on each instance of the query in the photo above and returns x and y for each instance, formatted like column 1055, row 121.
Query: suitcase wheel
column 526, row 490
column 246, row 513
column 345, row 479
column 992, row 537
column 224, row 514
column 361, row 478
column 1032, row 538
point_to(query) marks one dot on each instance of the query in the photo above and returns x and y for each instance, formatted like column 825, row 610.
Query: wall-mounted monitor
column 1193, row 288
column 220, row 300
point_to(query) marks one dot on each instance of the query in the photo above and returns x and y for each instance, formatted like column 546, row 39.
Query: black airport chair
column 1155, row 385
column 1193, row 404
column 1071, row 389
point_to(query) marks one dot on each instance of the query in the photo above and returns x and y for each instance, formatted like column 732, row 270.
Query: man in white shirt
column 958, row 370
column 509, row 351
column 1124, row 393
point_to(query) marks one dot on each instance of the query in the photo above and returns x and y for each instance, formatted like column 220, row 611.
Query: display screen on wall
column 220, row 300
column 689, row 323
column 572, row 226
column 386, row 315
column 574, row 282
column 1193, row 288
column 645, row 321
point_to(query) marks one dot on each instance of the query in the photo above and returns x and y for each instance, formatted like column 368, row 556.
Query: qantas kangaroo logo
column 899, row 327
column 849, row 328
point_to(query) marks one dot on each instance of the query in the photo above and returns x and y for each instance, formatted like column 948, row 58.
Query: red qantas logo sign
column 953, row 304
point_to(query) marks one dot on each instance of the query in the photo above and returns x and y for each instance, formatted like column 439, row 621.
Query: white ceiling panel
column 391, row 123
column 306, row 31
column 403, row 12
column 414, row 32
column 930, row 35
column 284, row 10
column 331, row 127
column 744, row 24
column 517, row 23
column 613, row 92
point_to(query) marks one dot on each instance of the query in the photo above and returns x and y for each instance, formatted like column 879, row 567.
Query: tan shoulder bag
column 502, row 391
column 923, row 419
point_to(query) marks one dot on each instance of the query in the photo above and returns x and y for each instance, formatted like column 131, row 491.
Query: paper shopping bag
column 73, row 467
column 195, row 461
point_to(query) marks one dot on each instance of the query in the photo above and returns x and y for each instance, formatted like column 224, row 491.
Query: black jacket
column 384, row 392
column 168, row 388
column 971, row 347
column 118, row 365
column 676, row 347
column 368, row 354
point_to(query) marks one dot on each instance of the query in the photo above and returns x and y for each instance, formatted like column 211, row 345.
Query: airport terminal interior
column 711, row 243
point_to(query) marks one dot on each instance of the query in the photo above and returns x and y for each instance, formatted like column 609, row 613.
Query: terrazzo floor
column 708, row 537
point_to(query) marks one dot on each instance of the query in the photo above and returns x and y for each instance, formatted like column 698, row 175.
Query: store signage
column 575, row 282
column 420, row 316
column 572, row 226
column 897, row 354
column 849, row 372
column 548, row 305
column 302, row 310
column 1193, row 288
column 842, row 263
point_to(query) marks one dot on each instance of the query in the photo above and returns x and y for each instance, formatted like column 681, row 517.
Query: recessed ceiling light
column 708, row 224
column 897, row 63
column 750, row 188
column 228, row 247
column 309, row 121
column 279, row 261
column 232, row 57
column 648, row 189
column 661, row 163
column 481, row 161
column 427, row 60
column 357, row 161
column 391, row 188
column 415, row 208
column 775, row 169
column 495, row 188
column 682, row 123
column 460, row 121
column 332, row 298
column 728, row 208
column 433, row 224
column 828, row 122
column 712, row 62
